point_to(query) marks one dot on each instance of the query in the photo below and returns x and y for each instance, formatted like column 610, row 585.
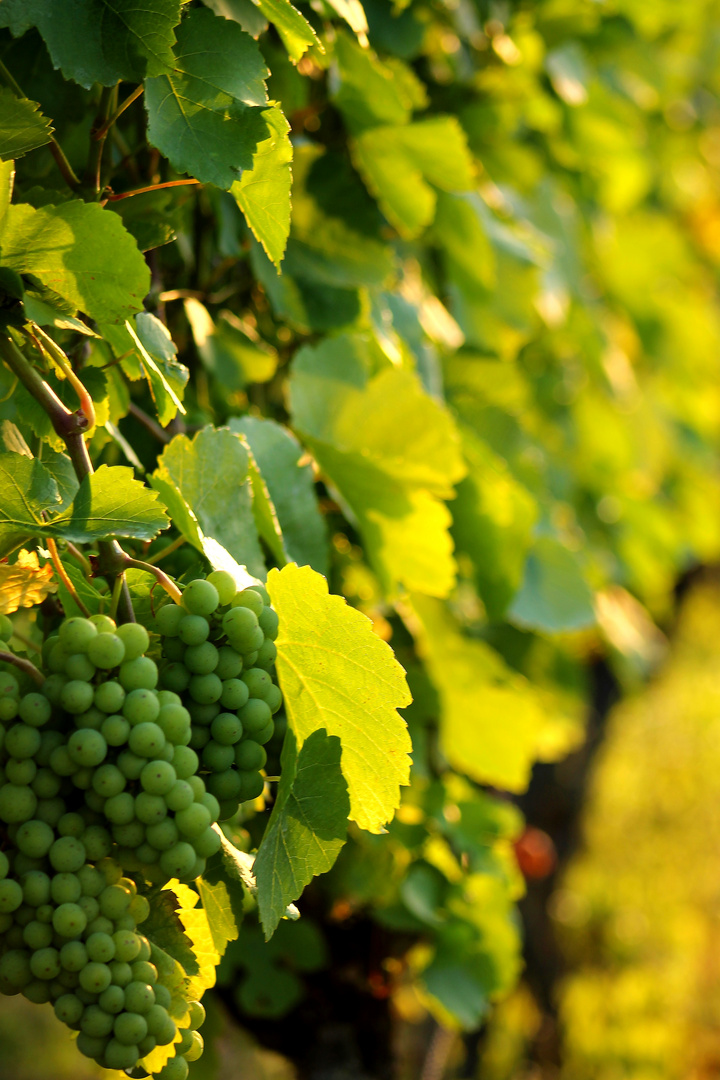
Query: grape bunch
column 220, row 652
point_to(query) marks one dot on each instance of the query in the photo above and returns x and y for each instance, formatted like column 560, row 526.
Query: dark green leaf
column 263, row 190
column 22, row 126
column 554, row 596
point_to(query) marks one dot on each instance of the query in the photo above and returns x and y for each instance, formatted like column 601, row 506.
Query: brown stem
column 45, row 342
column 151, row 187
column 160, row 576
column 102, row 131
column 148, row 423
column 155, row 559
column 25, row 665
column 63, row 575
column 78, row 555
column 93, row 169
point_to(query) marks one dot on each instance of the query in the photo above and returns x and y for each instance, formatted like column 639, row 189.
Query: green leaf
column 399, row 165
column 244, row 12
column 147, row 349
column 492, row 720
column 554, row 596
column 206, row 484
column 307, row 826
column 207, row 117
column 365, row 90
column 459, row 230
column 304, row 304
column 230, row 356
column 263, row 190
column 22, row 126
column 93, row 600
column 108, row 503
column 164, row 929
column 81, row 252
column 223, row 915
column 291, row 487
column 391, row 452
column 353, row 13
column 336, row 674
column 295, row 31
column 493, row 519
column 100, row 41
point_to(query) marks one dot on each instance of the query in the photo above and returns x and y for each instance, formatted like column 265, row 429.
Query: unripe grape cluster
column 219, row 647
column 108, row 783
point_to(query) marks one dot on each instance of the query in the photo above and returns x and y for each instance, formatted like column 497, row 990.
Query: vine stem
column 102, row 131
column 24, row 665
column 58, row 356
column 160, row 576
column 63, row 575
column 150, row 187
column 56, row 150
column 168, row 550
column 93, row 169
column 70, row 427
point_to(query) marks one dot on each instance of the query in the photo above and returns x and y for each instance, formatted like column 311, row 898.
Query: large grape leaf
column 400, row 164
column 554, row 595
column 100, row 41
column 22, row 126
column 335, row 673
column 263, row 190
column 25, row 583
column 80, row 251
column 207, row 116
column 493, row 721
column 109, row 502
column 232, row 358
column 365, row 90
column 253, row 15
column 307, row 827
column 206, row 484
column 391, row 452
column 291, row 487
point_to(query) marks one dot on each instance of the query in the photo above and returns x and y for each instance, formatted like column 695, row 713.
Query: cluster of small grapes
column 220, row 648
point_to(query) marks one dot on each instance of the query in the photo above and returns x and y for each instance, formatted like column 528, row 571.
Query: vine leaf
column 391, row 452
column 307, row 827
column 109, row 503
column 336, row 674
column 554, row 595
column 207, row 115
column 206, row 484
column 80, row 251
column 100, row 41
column 291, row 487
column 22, row 126
column 25, row 583
column 263, row 190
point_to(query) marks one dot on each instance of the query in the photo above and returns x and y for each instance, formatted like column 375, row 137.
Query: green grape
column 57, row 659
column 167, row 697
column 37, row 935
column 131, row 765
column 235, row 694
column 174, row 648
column 119, row 1055
column 100, row 925
column 76, row 634
column 146, row 1045
column 120, row 809
column 198, row 786
column 79, row 667
column 108, row 781
column 147, row 854
column 262, row 592
column 167, row 1032
column 174, row 721
column 252, row 785
column 91, row 718
column 269, row 621
column 157, row 1015
column 141, row 706
column 90, row 1047
column 130, row 1028
column 21, row 771
column 95, row 977
column 61, row 763
column 4, row 865
column 17, row 803
column 193, row 821
column 135, row 638
column 114, row 901
column 82, row 778
column 35, row 838
column 50, row 689
column 87, row 747
column 201, row 659
column 129, row 836
column 249, row 598
column 203, row 714
column 71, row 824
column 139, row 908
column 250, row 646
column 205, row 689
column 274, row 699
column 150, row 809
column 239, row 623
column 91, row 880
column 69, row 1009
column 9, row 706
column 158, row 777
column 225, row 585
column 112, row 1000
column 49, row 741
column 34, row 709
column 6, row 628
column 145, row 972
column 22, row 741
column 23, row 863
column 168, row 619
column 267, row 655
column 254, row 716
column 178, row 860
column 109, row 696
column 127, row 946
column 121, row 974
column 106, row 651
column 163, row 835
column 76, row 696
column 96, row 1022
column 15, row 968
column 11, row 896
column 35, row 888
column 115, row 730
column 200, row 597
column 175, row 677
column 250, row 756
column 257, row 681
column 45, row 963
column 90, row 907
column 69, row 920
column 265, row 734
column 175, row 1069
column 200, row 737
column 139, row 674
column 226, row 729
column 180, row 796
column 194, row 630
column 217, row 757
column 139, row 998
column 97, row 842
column 38, row 992
column 163, row 997
column 147, row 740
column 209, row 842
column 100, row 947
column 229, row 664
column 225, row 785
column 197, row 1045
